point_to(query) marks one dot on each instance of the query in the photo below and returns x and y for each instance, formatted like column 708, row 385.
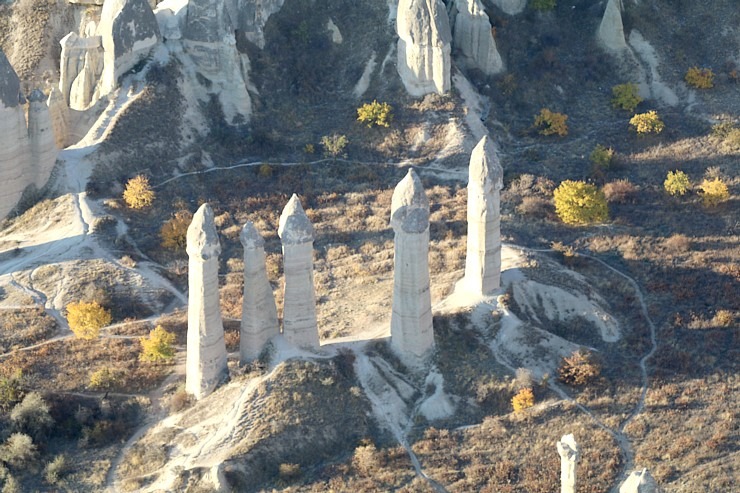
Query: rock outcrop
column 129, row 31
column 485, row 181
column 208, row 37
column 41, row 139
column 412, row 337
column 611, row 29
column 253, row 15
column 473, row 38
column 423, row 46
column 569, row 456
column 59, row 114
column 511, row 7
column 80, row 69
column 14, row 149
column 299, row 306
column 640, row 482
column 206, row 351
column 259, row 314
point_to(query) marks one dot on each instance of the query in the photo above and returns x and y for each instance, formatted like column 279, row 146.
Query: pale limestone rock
column 259, row 314
column 412, row 336
column 129, row 31
column 14, row 146
column 59, row 115
column 299, row 306
column 485, row 181
column 640, row 482
column 473, row 37
column 569, row 456
column 336, row 35
column 253, row 15
column 611, row 30
column 81, row 65
column 423, row 46
column 511, row 7
column 208, row 37
column 206, row 350
column 41, row 139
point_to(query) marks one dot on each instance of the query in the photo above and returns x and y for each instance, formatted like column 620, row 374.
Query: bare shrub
column 677, row 243
column 578, row 369
column 55, row 469
column 18, row 450
column 180, row 400
column 620, row 191
column 367, row 460
column 534, row 207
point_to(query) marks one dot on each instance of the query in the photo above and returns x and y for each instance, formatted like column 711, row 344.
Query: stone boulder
column 611, row 29
column 423, row 46
column 511, row 7
column 129, row 31
column 640, row 482
column 473, row 38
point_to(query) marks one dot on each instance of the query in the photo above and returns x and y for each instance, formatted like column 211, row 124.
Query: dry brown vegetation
column 24, row 327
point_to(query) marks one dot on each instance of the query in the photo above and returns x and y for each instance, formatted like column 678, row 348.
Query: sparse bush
column 722, row 130
column 375, row 113
column 265, row 170
column 366, row 460
column 700, row 78
column 138, row 193
column 524, row 399
column 676, row 183
column 31, row 416
column 289, row 472
column 11, row 387
column 647, row 123
column 174, row 232
column 334, row 144
column 551, row 123
column 11, row 485
column 86, row 319
column 18, row 450
column 602, row 157
column 157, row 348
column 180, row 400
column 626, row 96
column 677, row 244
column 577, row 202
column 578, row 369
column 544, row 5
column 534, row 207
column 713, row 192
column 619, row 191
column 309, row 148
column 104, row 379
column 55, row 469
column 524, row 378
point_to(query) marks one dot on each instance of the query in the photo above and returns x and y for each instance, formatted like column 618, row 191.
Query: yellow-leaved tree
column 714, row 191
column 138, row 193
column 158, row 347
column 87, row 318
column 577, row 202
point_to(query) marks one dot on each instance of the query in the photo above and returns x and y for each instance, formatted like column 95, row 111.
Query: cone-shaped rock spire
column 611, row 29
column 569, row 456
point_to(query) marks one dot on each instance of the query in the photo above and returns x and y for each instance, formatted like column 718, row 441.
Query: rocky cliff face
column 423, row 46
column 81, row 67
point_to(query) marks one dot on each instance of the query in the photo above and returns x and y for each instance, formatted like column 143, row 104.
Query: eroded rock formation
column 472, row 36
column 299, row 306
column 569, row 456
column 253, row 15
column 259, row 314
column 41, row 139
column 483, row 259
column 80, row 69
column 640, row 482
column 423, row 46
column 206, row 351
column 412, row 336
column 129, row 31
column 59, row 115
column 611, row 29
column 511, row 7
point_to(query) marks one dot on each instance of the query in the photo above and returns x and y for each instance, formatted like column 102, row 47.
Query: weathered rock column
column 473, row 37
column 483, row 259
column 569, row 455
column 412, row 336
column 259, row 314
column 640, row 482
column 611, row 29
column 206, row 356
column 41, row 138
column 299, row 301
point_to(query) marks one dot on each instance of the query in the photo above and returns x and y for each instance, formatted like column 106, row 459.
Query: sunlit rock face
column 41, row 139
column 611, row 29
column 424, row 46
column 81, row 66
column 473, row 39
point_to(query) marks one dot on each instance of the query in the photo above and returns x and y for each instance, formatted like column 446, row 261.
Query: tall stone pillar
column 412, row 336
column 569, row 455
column 259, row 314
column 483, row 259
column 611, row 29
column 299, row 301
column 206, row 356
column 41, row 138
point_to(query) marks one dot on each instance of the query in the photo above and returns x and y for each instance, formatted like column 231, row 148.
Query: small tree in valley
column 523, row 399
column 626, row 97
column 87, row 318
column 138, row 193
column 375, row 113
column 551, row 123
column 676, row 183
column 577, row 202
column 158, row 347
column 714, row 191
column 174, row 232
column 647, row 123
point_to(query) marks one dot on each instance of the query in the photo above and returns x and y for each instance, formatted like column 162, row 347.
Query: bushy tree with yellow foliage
column 700, row 78
column 551, row 123
column 577, row 202
column 158, row 347
column 138, row 193
column 523, row 399
column 375, row 113
column 86, row 319
column 626, row 96
column 714, row 191
column 647, row 123
column 175, row 231
column 676, row 183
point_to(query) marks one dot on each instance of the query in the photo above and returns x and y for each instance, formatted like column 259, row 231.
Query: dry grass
column 24, row 327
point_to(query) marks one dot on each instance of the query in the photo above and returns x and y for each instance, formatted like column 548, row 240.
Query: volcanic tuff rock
column 569, row 456
column 129, row 31
column 423, row 46
column 81, row 66
column 259, row 314
column 611, row 30
column 206, row 349
column 412, row 337
column 41, row 139
column 640, row 482
column 299, row 306
column 473, row 37
column 483, row 259
column 511, row 7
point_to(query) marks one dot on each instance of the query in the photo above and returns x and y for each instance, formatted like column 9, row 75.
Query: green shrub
column 700, row 78
column 647, row 123
column 602, row 157
column 104, row 379
column 11, row 387
column 544, row 4
column 375, row 113
column 626, row 96
column 577, row 202
column 551, row 123
column 677, row 183
column 334, row 144
column 31, row 416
